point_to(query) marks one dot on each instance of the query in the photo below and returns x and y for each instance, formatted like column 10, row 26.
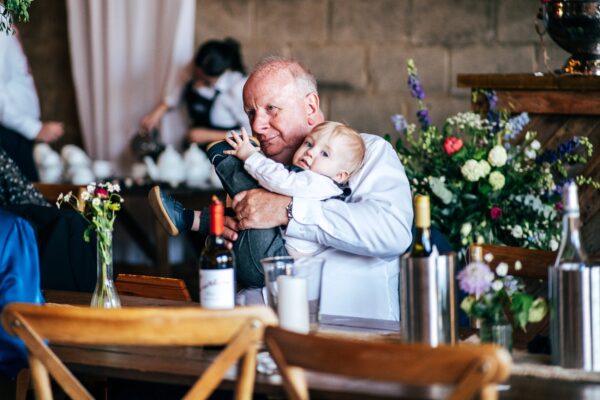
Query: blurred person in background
column 20, row 123
column 212, row 97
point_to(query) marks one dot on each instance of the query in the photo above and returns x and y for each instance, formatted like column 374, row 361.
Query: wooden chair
column 239, row 330
column 152, row 286
column 471, row 369
column 51, row 191
column 534, row 273
column 535, row 263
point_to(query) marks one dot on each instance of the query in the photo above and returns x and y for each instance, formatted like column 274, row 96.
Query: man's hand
column 230, row 231
column 260, row 209
column 50, row 132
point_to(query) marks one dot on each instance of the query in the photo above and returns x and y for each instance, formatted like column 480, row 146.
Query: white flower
column 96, row 202
column 471, row 170
column 530, row 153
column 497, row 180
column 85, row 196
column 535, row 145
column 90, row 188
column 497, row 285
column 517, row 231
column 553, row 245
column 502, row 269
column 465, row 229
column 109, row 187
column 484, row 168
column 67, row 197
column 518, row 265
column 488, row 257
column 117, row 187
column 480, row 239
column 497, row 156
column 438, row 187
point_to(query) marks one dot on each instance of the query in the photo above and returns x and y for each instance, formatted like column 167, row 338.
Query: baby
column 322, row 165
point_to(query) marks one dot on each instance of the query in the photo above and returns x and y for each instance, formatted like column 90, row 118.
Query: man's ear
column 313, row 111
column 342, row 176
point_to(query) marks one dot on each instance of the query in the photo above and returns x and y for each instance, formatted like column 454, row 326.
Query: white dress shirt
column 276, row 178
column 364, row 236
column 228, row 109
column 19, row 103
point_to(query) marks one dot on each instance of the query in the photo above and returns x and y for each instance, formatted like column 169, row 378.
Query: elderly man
column 365, row 234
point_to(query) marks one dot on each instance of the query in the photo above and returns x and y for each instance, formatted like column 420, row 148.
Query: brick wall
column 358, row 48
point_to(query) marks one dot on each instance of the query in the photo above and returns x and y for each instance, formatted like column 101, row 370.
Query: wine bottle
column 217, row 282
column 422, row 240
column 571, row 254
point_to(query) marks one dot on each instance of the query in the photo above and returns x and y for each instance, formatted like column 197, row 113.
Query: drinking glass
column 309, row 268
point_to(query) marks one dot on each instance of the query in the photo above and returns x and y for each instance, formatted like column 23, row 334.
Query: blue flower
column 516, row 125
column 424, row 119
column 552, row 156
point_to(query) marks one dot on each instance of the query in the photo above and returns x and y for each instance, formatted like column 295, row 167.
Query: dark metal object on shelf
column 575, row 26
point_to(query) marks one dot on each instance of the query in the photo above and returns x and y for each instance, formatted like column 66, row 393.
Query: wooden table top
column 183, row 366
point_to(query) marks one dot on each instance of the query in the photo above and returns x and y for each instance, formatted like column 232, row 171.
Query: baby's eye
column 325, row 154
column 308, row 144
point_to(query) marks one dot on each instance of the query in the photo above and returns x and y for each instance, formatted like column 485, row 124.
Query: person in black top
column 212, row 96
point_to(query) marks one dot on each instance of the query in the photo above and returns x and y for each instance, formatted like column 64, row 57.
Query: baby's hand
column 242, row 148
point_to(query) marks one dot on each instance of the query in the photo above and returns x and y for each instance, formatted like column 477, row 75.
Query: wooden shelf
column 530, row 82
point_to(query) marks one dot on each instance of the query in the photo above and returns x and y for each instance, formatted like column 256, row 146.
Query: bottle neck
column 571, row 251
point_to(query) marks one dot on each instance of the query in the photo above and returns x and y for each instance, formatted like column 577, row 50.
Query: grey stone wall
column 358, row 48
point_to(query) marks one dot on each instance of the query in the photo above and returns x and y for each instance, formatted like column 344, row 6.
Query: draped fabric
column 19, row 282
column 126, row 56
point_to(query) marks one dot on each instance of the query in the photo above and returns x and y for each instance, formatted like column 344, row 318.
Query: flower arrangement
column 98, row 204
column 489, row 182
column 490, row 295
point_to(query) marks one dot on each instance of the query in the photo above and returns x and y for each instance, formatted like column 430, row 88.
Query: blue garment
column 19, row 282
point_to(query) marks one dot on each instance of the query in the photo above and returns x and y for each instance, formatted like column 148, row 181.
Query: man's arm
column 376, row 222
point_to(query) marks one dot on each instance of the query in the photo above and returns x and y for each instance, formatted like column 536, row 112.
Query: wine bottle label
column 217, row 288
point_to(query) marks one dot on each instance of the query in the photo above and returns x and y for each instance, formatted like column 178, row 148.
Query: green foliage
column 14, row 11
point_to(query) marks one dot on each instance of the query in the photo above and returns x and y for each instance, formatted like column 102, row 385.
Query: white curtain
column 126, row 56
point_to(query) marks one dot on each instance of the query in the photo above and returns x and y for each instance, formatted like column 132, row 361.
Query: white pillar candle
column 292, row 304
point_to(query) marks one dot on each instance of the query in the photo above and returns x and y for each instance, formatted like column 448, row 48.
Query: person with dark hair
column 213, row 95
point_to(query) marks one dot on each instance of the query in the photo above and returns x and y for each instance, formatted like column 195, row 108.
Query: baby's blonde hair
column 355, row 151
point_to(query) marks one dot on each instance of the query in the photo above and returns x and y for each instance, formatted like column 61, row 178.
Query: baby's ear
column 342, row 176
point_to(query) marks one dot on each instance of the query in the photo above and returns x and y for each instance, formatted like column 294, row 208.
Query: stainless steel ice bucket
column 575, row 316
column 428, row 299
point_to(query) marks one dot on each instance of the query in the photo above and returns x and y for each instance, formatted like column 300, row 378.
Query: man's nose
column 260, row 123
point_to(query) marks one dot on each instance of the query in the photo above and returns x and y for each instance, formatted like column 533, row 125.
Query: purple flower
column 416, row 89
column 476, row 278
column 491, row 97
column 424, row 120
column 552, row 156
column 399, row 123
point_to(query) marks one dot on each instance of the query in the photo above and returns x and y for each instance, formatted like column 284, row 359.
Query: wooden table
column 183, row 366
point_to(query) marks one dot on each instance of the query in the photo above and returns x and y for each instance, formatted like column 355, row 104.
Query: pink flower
column 495, row 213
column 101, row 193
column 476, row 278
column 452, row 145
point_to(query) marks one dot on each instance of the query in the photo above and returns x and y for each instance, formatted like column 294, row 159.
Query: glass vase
column 500, row 333
column 105, row 295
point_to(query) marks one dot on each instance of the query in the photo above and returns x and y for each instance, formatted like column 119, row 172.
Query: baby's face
column 323, row 154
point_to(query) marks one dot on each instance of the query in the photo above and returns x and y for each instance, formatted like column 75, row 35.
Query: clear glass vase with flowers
column 99, row 204
column 499, row 301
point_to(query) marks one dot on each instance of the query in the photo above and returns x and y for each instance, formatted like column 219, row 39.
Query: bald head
column 304, row 80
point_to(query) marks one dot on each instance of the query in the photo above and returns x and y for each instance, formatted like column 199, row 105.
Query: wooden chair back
column 51, row 191
column 152, row 286
column 239, row 330
column 470, row 369
column 533, row 272
column 535, row 263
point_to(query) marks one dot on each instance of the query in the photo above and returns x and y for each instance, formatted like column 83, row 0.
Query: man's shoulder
column 376, row 144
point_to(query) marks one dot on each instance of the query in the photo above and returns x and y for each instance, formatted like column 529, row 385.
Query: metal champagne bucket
column 428, row 299
column 575, row 316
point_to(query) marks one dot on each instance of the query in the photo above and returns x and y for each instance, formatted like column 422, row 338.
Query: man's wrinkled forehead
column 277, row 87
